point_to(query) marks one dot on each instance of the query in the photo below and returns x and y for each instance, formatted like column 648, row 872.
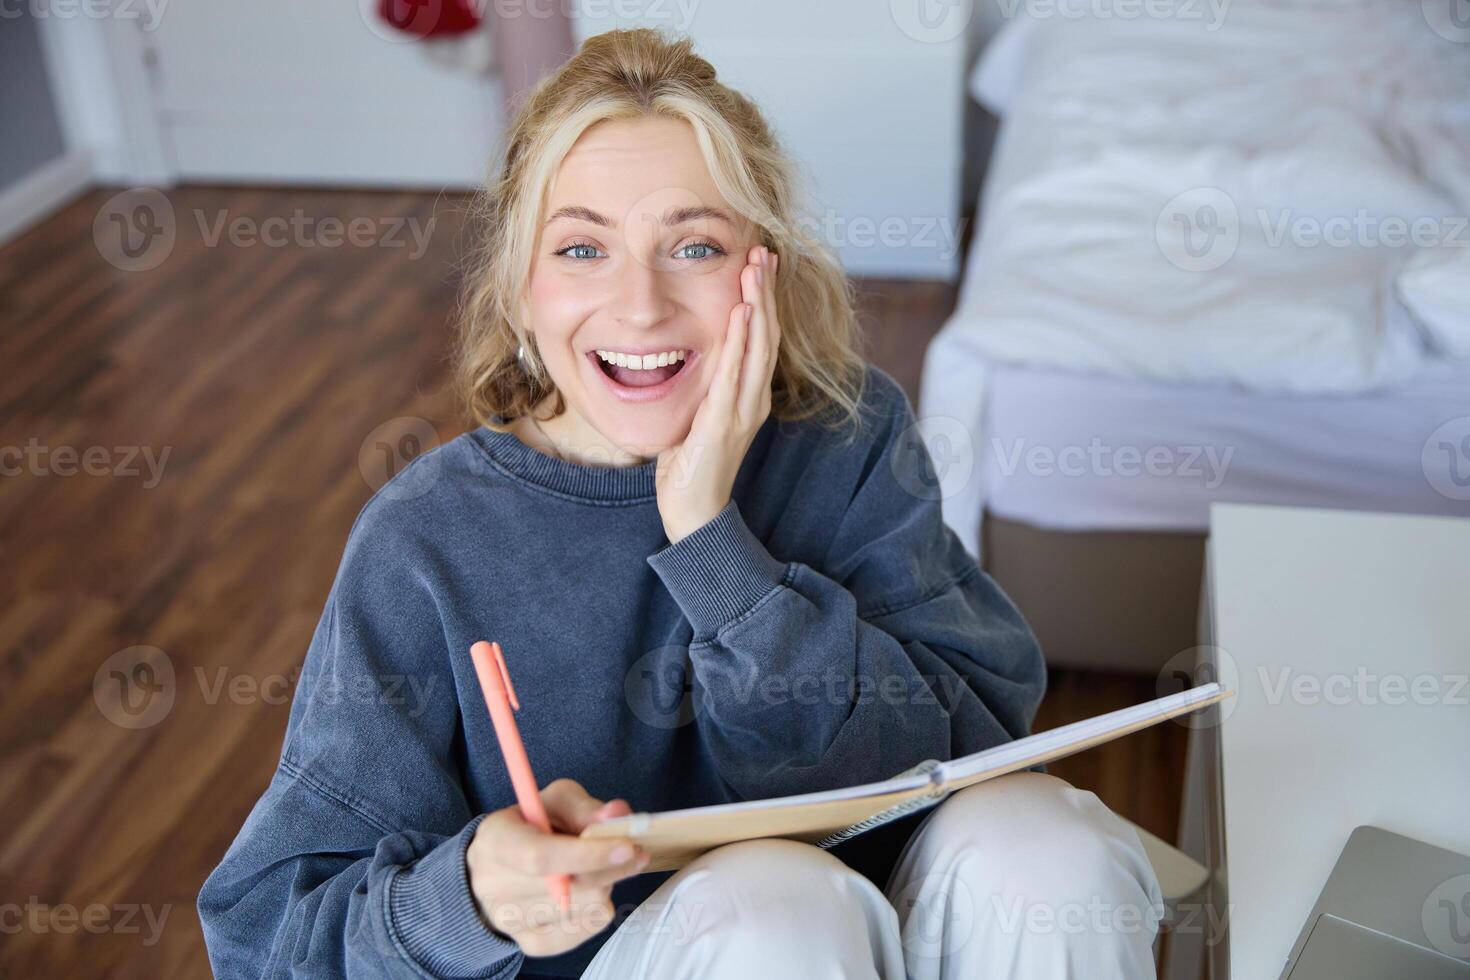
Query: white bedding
column 1076, row 452
column 1347, row 121
column 1229, row 203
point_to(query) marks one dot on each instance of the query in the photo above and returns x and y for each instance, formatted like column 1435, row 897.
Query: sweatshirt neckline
column 585, row 482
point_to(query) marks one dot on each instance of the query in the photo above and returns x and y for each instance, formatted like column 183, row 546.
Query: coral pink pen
column 500, row 698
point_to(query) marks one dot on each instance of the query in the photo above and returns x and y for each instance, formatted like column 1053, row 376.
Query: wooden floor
column 259, row 369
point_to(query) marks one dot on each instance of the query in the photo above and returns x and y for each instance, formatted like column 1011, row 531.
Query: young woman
column 705, row 535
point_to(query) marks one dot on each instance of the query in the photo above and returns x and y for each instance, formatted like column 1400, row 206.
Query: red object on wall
column 430, row 18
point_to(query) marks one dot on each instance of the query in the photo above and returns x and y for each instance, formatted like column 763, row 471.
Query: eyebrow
column 671, row 217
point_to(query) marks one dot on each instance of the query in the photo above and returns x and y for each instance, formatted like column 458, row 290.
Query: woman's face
column 639, row 255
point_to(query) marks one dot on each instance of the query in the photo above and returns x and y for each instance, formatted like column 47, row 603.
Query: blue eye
column 709, row 250
column 576, row 247
column 702, row 251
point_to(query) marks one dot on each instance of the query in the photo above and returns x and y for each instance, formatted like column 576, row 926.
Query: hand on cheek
column 695, row 478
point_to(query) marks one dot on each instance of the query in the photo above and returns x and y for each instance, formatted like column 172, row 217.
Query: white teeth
column 646, row 362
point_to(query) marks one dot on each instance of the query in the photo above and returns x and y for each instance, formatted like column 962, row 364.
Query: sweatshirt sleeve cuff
column 434, row 916
column 718, row 572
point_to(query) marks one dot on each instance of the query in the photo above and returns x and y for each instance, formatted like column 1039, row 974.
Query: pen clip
column 505, row 675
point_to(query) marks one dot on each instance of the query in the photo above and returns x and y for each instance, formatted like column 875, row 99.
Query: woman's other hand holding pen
column 509, row 860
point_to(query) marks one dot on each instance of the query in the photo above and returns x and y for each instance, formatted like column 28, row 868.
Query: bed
column 1217, row 261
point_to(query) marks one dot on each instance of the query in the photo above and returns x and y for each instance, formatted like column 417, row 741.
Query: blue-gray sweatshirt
column 826, row 629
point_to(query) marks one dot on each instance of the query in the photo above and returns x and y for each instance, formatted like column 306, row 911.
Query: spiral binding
column 903, row 809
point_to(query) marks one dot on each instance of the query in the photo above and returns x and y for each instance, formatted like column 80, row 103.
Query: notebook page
column 1070, row 738
column 914, row 779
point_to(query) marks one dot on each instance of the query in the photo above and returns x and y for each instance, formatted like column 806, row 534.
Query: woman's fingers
column 774, row 320
column 526, row 849
column 571, row 808
column 760, row 359
column 753, row 364
column 610, row 876
column 725, row 386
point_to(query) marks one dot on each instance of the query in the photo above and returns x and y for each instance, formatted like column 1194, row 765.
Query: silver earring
column 521, row 354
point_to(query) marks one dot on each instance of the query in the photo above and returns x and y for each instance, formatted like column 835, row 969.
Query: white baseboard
column 43, row 191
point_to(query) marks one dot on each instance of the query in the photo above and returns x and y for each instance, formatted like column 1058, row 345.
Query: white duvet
column 1226, row 193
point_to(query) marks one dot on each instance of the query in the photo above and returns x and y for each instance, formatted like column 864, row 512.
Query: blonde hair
column 628, row 74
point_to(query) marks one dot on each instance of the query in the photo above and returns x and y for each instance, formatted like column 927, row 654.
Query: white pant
column 1022, row 876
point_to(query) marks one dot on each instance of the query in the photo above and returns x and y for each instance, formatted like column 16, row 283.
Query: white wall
column 871, row 112
column 868, row 100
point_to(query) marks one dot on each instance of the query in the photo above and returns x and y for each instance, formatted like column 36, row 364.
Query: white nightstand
column 1346, row 637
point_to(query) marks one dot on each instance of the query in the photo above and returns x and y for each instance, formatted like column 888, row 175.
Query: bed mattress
column 1072, row 451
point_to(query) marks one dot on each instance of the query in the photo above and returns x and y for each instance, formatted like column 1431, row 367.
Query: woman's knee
column 769, row 871
column 1025, row 869
column 1035, row 839
column 773, row 905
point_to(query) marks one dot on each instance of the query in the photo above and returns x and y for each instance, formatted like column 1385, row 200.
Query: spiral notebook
column 673, row 838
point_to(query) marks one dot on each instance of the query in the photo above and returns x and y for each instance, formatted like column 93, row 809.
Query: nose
column 640, row 297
